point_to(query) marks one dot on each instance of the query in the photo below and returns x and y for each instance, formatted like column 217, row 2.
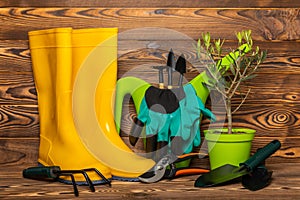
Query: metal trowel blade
column 220, row 175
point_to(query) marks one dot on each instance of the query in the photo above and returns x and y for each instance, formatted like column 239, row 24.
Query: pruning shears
column 166, row 168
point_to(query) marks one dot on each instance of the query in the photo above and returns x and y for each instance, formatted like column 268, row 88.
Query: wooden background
column 273, row 106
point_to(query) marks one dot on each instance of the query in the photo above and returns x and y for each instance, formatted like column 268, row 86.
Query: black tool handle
column 135, row 131
column 41, row 172
column 261, row 155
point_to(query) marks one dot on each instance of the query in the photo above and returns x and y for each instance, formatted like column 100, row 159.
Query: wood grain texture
column 269, row 120
column 20, row 153
column 266, row 24
column 17, row 88
column 272, row 107
column 15, row 56
column 273, row 102
column 284, row 185
column 265, row 118
column 153, row 3
column 279, row 72
column 283, row 56
column 19, row 121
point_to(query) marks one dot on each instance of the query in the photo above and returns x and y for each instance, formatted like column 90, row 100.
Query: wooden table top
column 285, row 185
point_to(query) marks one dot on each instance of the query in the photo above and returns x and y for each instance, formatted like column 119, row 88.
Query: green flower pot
column 226, row 148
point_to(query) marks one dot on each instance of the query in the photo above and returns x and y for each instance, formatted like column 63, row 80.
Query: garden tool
column 158, row 112
column 259, row 178
column 229, row 172
column 54, row 173
column 166, row 168
column 170, row 68
column 160, row 76
column 173, row 113
column 137, row 88
column 177, row 141
column 164, row 111
column 59, row 59
column 181, row 68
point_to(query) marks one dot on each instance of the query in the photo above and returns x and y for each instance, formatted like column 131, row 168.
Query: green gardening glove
column 173, row 113
column 191, row 108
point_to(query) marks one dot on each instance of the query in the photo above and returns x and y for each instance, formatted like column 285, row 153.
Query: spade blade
column 220, row 175
column 229, row 172
column 181, row 65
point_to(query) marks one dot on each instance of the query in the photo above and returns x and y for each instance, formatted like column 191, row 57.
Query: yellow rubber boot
column 59, row 56
column 93, row 111
column 54, row 67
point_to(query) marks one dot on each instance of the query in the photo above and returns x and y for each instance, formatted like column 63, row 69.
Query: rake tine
column 88, row 180
column 76, row 193
column 99, row 174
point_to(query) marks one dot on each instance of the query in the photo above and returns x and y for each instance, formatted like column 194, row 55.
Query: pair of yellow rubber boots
column 75, row 76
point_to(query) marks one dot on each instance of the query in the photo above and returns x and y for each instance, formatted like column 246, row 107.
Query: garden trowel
column 170, row 68
column 181, row 68
column 230, row 172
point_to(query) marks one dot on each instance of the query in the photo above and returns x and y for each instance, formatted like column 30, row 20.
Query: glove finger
column 175, row 121
column 206, row 112
column 190, row 111
column 185, row 122
column 163, row 131
column 154, row 122
column 196, row 133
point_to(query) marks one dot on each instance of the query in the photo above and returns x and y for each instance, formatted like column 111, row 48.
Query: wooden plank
column 23, row 120
column 266, row 89
column 18, row 152
column 153, row 3
column 263, row 91
column 266, row 108
column 267, row 24
column 285, row 185
column 277, row 80
column 19, row 121
column 23, row 152
column 17, row 88
column 270, row 120
column 267, row 120
column 15, row 56
column 283, row 56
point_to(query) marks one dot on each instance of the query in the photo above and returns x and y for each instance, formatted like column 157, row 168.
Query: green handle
column 261, row 155
column 41, row 172
column 129, row 85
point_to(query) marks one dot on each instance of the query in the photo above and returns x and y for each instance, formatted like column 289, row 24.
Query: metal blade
column 220, row 175
column 181, row 68
column 181, row 64
column 170, row 68
column 171, row 59
column 230, row 172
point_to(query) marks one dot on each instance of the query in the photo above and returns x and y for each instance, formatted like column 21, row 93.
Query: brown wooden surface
column 285, row 185
column 153, row 3
column 272, row 108
column 266, row 23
